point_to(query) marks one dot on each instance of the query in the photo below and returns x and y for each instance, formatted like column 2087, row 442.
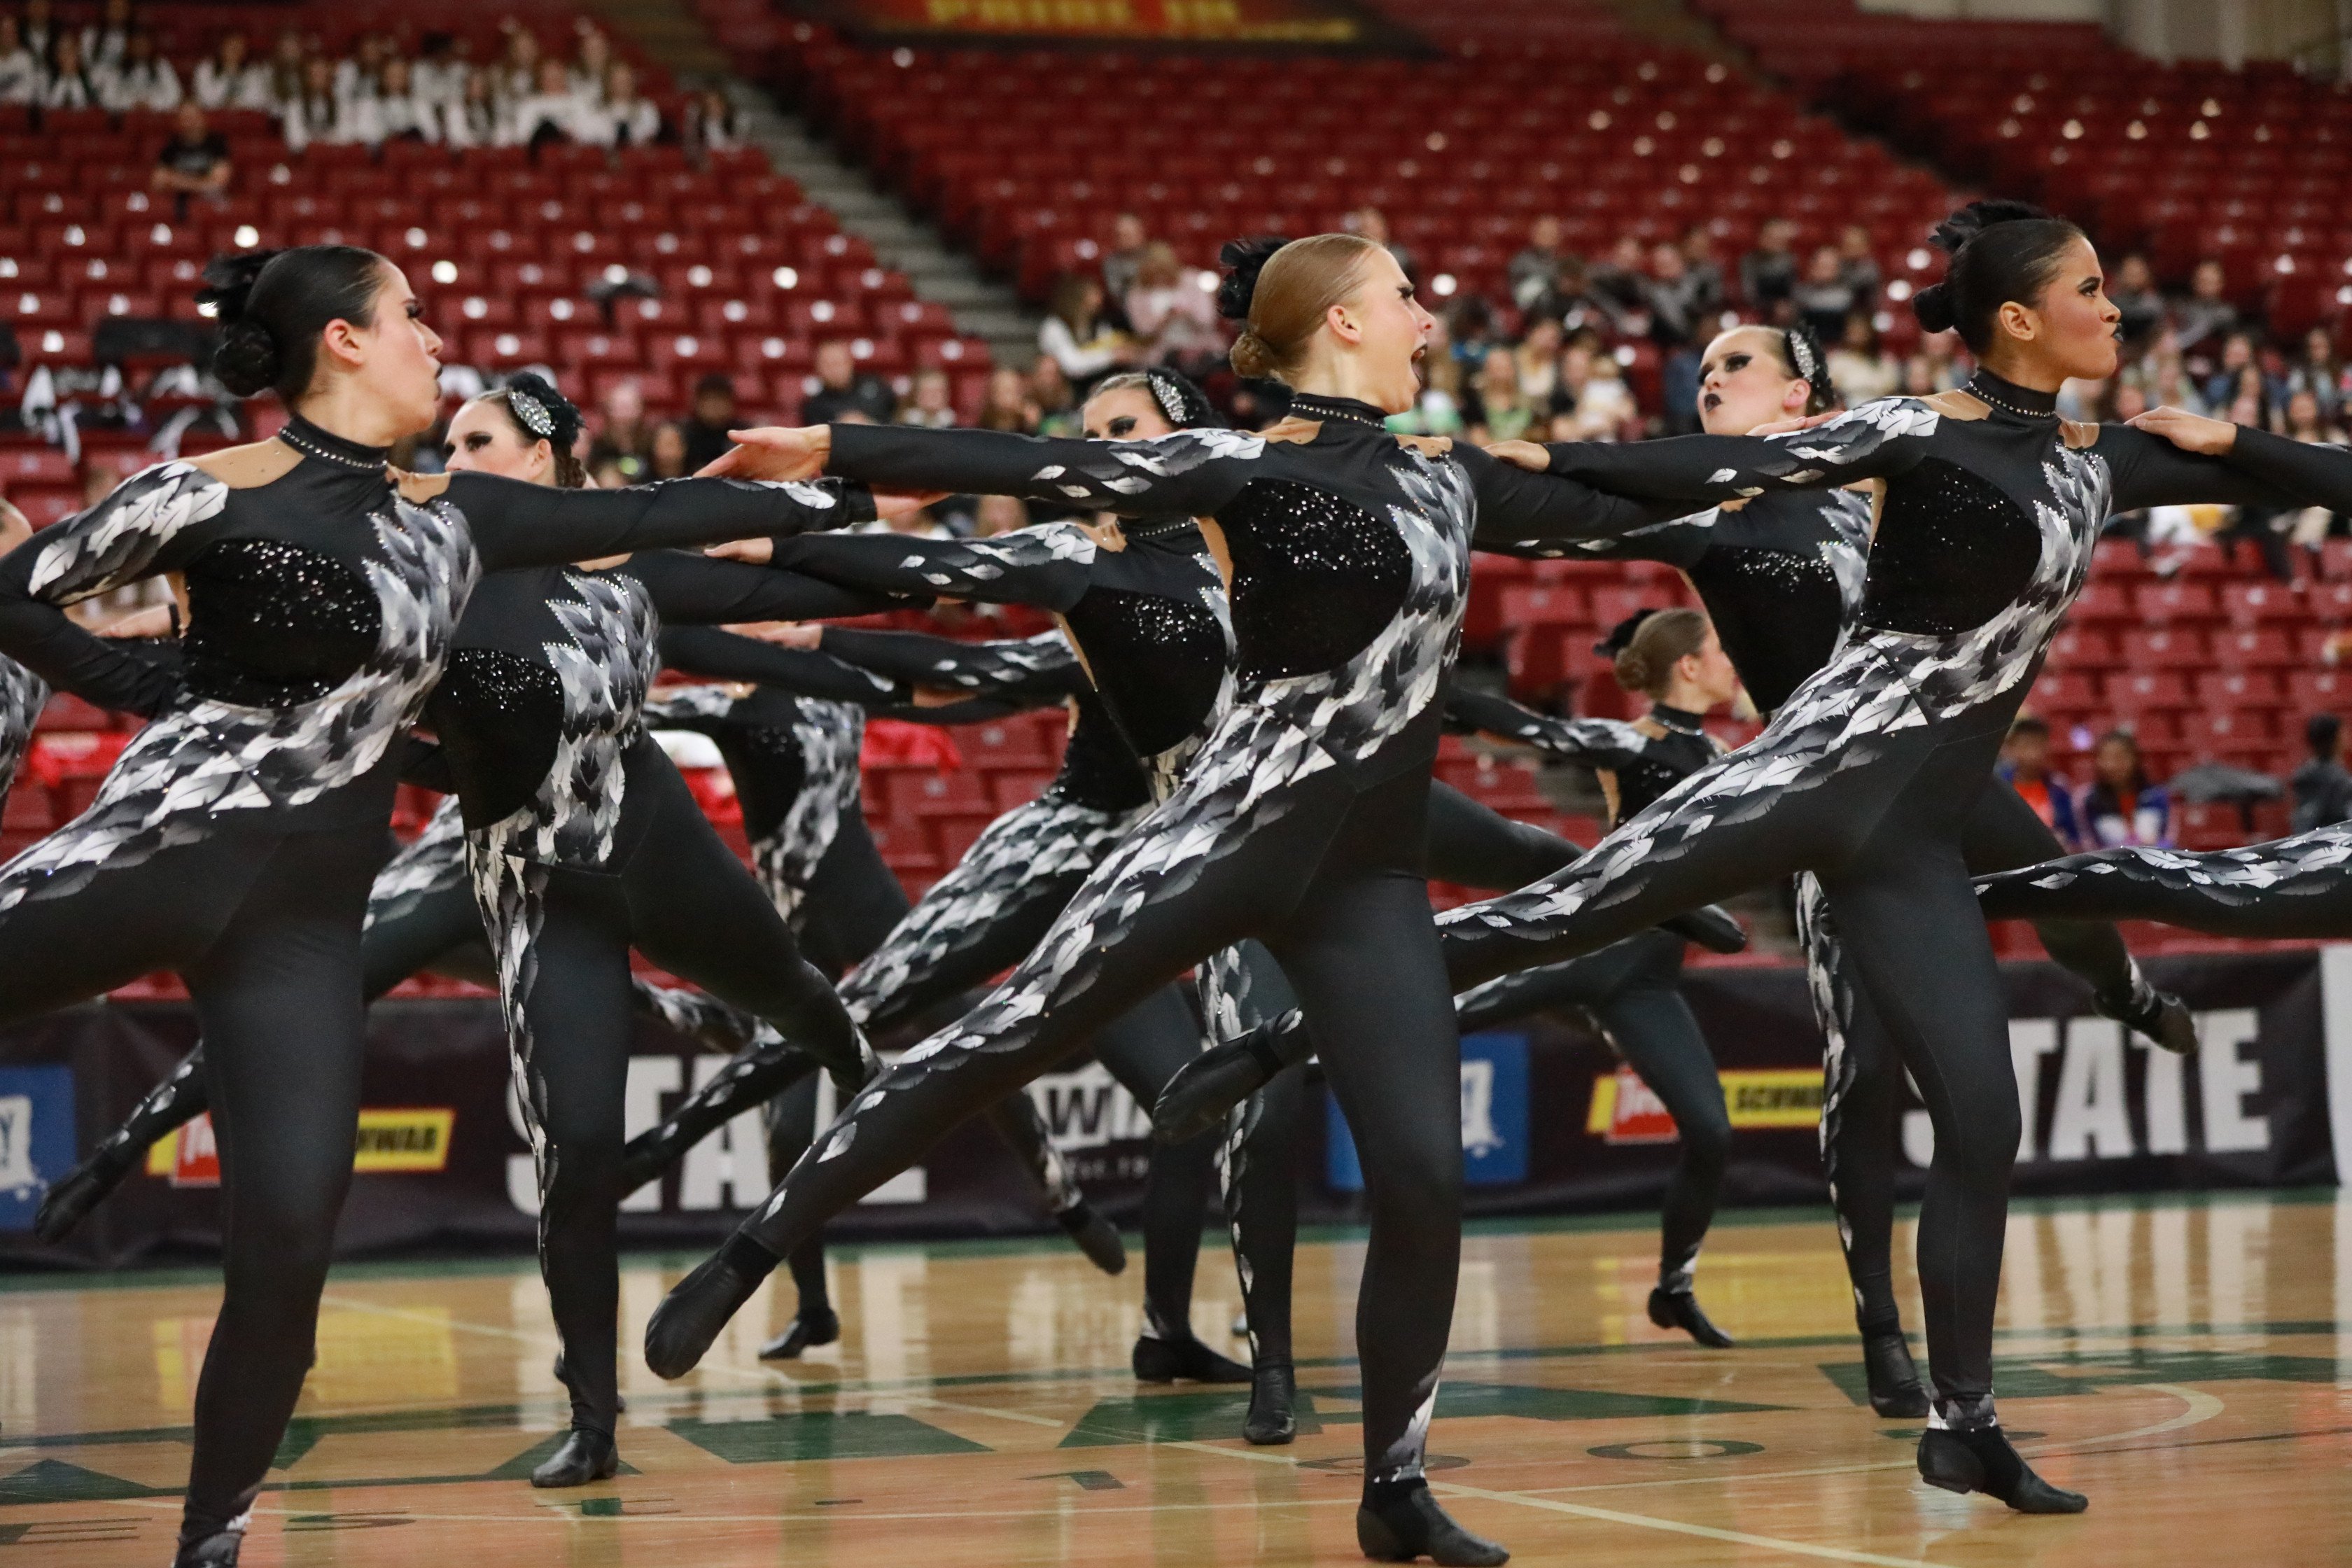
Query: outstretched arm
column 1191, row 471
column 1038, row 669
column 715, row 655
column 1517, row 508
column 1875, row 441
column 152, row 523
column 2254, row 467
column 520, row 524
column 696, row 590
column 1588, row 743
column 1049, row 566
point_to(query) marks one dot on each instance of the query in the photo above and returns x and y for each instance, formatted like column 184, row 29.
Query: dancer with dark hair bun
column 1988, row 508
column 2289, row 889
column 1299, row 820
column 236, row 839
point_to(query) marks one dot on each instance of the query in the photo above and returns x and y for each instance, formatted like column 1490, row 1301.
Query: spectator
column 933, row 407
column 2169, row 381
column 1537, row 362
column 2227, row 381
column 1055, row 401
column 437, row 74
column 518, row 71
column 68, row 82
column 1858, row 267
column 1496, row 412
column 1438, row 411
column 227, row 78
column 1128, row 243
column 2121, row 807
column 401, row 113
column 2206, row 316
column 551, row 111
column 1005, row 406
column 319, row 115
column 1768, row 273
column 20, row 68
column 620, row 118
column 2025, row 765
column 1600, row 405
column 1534, row 272
column 1676, row 300
column 1075, row 336
column 40, row 28
column 1373, row 224
column 194, row 162
column 286, row 68
column 359, row 75
column 1859, row 368
column 591, row 62
column 1823, row 297
column 624, row 443
column 1175, row 316
column 2322, row 789
column 2134, row 293
column 711, row 416
column 1620, row 287
column 2307, row 527
column 107, row 42
column 842, row 388
column 709, row 124
column 1706, row 272
column 2316, row 371
column 667, row 458
column 142, row 79
column 478, row 118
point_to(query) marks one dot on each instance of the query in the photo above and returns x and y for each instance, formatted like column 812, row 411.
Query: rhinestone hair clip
column 531, row 413
column 1800, row 354
column 1164, row 393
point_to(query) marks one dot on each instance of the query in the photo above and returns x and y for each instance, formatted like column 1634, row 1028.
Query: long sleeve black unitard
column 1299, row 821
column 1868, row 772
column 236, row 838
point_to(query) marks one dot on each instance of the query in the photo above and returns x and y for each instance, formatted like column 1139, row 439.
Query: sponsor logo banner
column 1624, row 1110
column 391, row 1142
column 36, row 1138
column 1494, row 1118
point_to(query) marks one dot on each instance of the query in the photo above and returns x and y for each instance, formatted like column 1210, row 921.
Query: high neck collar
column 1343, row 410
column 312, row 442
column 1682, row 720
column 2006, row 396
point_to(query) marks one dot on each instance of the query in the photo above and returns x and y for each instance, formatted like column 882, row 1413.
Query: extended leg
column 1859, row 1103
column 2288, row 889
column 2003, row 834
column 791, row 1124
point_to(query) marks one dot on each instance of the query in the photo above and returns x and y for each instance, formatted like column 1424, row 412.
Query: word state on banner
column 1494, row 1118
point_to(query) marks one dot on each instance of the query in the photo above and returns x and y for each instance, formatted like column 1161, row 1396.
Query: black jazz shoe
column 1274, row 1394
column 1969, row 1452
column 1400, row 1521
column 691, row 1316
column 1186, row 1360
column 585, row 1455
column 1679, row 1310
column 814, row 1326
column 1896, row 1391
column 1094, row 1236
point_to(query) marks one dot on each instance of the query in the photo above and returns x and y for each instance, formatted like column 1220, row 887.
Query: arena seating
column 2185, row 161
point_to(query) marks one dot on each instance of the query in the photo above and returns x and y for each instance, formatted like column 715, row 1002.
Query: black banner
column 1550, row 1122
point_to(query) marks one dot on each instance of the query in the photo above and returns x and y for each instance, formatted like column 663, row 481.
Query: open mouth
column 1711, row 402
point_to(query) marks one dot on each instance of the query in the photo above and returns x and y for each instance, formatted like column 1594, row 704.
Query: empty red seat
column 2267, row 648
column 2174, row 649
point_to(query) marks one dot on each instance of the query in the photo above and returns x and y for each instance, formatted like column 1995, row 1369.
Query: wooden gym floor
column 2186, row 1363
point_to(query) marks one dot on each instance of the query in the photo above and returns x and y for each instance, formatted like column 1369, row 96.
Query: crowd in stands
column 524, row 96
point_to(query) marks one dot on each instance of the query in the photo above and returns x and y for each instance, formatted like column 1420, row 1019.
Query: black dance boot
column 1679, row 1310
column 1965, row 1450
column 218, row 1549
column 69, row 1199
column 2159, row 1014
column 1186, row 1360
column 1094, row 1236
column 1895, row 1387
column 585, row 1455
column 1399, row 1520
column 813, row 1326
column 692, row 1314
column 1206, row 1088
column 1274, row 1392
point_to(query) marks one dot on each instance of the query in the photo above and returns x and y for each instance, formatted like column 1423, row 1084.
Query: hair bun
column 1244, row 259
column 563, row 414
column 1621, row 635
column 229, row 280
column 245, row 359
column 1932, row 306
column 1977, row 216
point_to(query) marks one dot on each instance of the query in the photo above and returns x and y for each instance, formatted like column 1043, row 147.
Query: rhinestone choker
column 1307, row 405
column 310, row 441
column 1980, row 386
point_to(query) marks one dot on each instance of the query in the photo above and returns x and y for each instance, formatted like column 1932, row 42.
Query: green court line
column 136, row 1277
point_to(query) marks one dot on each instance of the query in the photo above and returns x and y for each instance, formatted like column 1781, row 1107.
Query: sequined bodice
column 1668, row 761
column 272, row 624
column 1152, row 630
column 1954, row 549
column 1315, row 577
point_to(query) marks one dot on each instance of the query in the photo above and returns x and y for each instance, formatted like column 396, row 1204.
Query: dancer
column 23, row 694
column 1988, row 507
column 2293, row 888
column 236, row 839
column 791, row 743
column 1299, row 820
column 1781, row 574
